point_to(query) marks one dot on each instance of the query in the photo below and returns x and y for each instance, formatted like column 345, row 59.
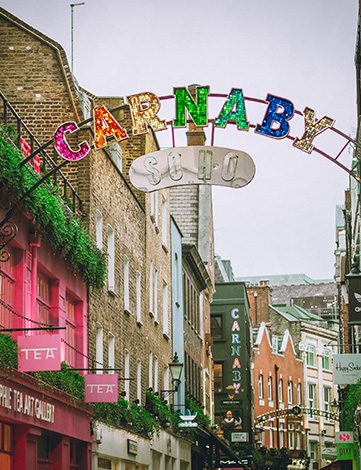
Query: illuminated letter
column 229, row 166
column 235, row 313
column 237, row 375
column 144, row 108
column 198, row 112
column 235, row 326
column 154, row 177
column 237, row 387
column 205, row 164
column 233, row 109
column 104, row 126
column 279, row 111
column 62, row 146
column 235, row 338
column 236, row 350
column 312, row 129
column 174, row 166
column 236, row 363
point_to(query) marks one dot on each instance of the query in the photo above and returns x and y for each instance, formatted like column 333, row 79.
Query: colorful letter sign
column 101, row 388
column 40, row 352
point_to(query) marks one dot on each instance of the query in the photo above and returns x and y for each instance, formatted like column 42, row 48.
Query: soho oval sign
column 192, row 165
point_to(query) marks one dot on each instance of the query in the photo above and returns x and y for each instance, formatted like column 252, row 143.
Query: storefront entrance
column 6, row 446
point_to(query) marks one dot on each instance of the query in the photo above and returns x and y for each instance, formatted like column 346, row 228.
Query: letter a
column 234, row 110
column 104, row 126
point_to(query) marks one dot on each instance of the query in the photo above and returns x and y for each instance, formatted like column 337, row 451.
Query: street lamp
column 175, row 368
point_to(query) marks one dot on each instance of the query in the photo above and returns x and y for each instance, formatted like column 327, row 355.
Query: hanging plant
column 64, row 231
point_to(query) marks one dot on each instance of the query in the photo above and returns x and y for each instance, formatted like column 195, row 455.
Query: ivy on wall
column 62, row 229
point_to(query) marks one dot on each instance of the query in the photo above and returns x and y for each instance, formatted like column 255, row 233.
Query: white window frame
column 99, row 229
column 111, row 351
column 165, row 309
column 150, row 370
column 139, row 381
column 164, row 223
column 126, row 284
column 299, row 394
column 139, row 297
column 290, row 392
column 260, row 387
column 151, row 287
column 326, row 359
column 155, row 380
column 310, row 355
column 99, row 348
column 155, row 309
column 326, row 400
column 111, row 259
column 280, row 391
column 269, row 387
column 126, row 373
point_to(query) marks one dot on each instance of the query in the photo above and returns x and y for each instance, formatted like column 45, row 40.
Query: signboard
column 346, row 451
column 354, row 298
column 101, row 388
column 187, row 420
column 38, row 353
column 192, row 165
column 239, row 437
column 228, row 402
column 228, row 463
column 329, row 453
column 346, row 368
column 344, row 437
column 132, row 446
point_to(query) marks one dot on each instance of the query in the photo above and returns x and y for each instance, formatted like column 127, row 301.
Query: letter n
column 198, row 112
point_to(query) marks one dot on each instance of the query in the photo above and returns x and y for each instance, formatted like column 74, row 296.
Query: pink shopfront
column 42, row 428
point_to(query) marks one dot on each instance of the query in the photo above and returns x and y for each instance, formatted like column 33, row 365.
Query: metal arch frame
column 330, row 415
column 8, row 229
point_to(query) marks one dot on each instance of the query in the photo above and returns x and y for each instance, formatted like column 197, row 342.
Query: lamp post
column 72, row 5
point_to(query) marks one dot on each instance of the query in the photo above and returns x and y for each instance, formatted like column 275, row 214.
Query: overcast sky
column 284, row 220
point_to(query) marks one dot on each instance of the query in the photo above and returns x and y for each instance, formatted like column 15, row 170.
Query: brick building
column 278, row 374
column 129, row 317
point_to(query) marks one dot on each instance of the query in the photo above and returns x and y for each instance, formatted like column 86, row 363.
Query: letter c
column 235, row 313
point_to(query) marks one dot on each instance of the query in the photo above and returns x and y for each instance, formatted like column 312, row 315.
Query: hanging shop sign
column 101, row 388
column 144, row 108
column 346, row 368
column 347, row 451
column 236, row 350
column 192, row 165
column 344, row 437
column 239, row 437
column 187, row 420
column 38, row 353
column 354, row 298
column 132, row 446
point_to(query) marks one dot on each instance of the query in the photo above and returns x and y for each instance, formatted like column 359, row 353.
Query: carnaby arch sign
column 207, row 164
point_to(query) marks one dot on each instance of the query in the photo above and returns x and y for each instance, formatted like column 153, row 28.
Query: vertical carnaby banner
column 40, row 352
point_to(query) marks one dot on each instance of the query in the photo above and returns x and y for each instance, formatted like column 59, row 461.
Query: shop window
column 6, row 446
column 218, row 377
column 70, row 317
column 6, row 296
column 74, row 455
column 216, row 327
column 43, row 301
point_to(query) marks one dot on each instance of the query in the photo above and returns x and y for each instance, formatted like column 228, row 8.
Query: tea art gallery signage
column 203, row 165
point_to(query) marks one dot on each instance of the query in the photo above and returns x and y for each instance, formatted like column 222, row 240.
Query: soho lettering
column 236, row 351
column 144, row 109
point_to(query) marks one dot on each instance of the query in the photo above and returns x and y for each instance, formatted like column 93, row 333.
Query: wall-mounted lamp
column 175, row 368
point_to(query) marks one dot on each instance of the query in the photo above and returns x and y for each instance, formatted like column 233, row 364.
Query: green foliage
column 67, row 380
column 64, row 231
column 353, row 400
column 8, row 351
column 202, row 419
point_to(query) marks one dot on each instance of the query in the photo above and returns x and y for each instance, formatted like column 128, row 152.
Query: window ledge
column 139, row 323
column 261, row 402
column 156, row 229
column 127, row 312
column 112, row 292
column 165, row 248
column 156, row 322
column 165, row 336
column 151, row 314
